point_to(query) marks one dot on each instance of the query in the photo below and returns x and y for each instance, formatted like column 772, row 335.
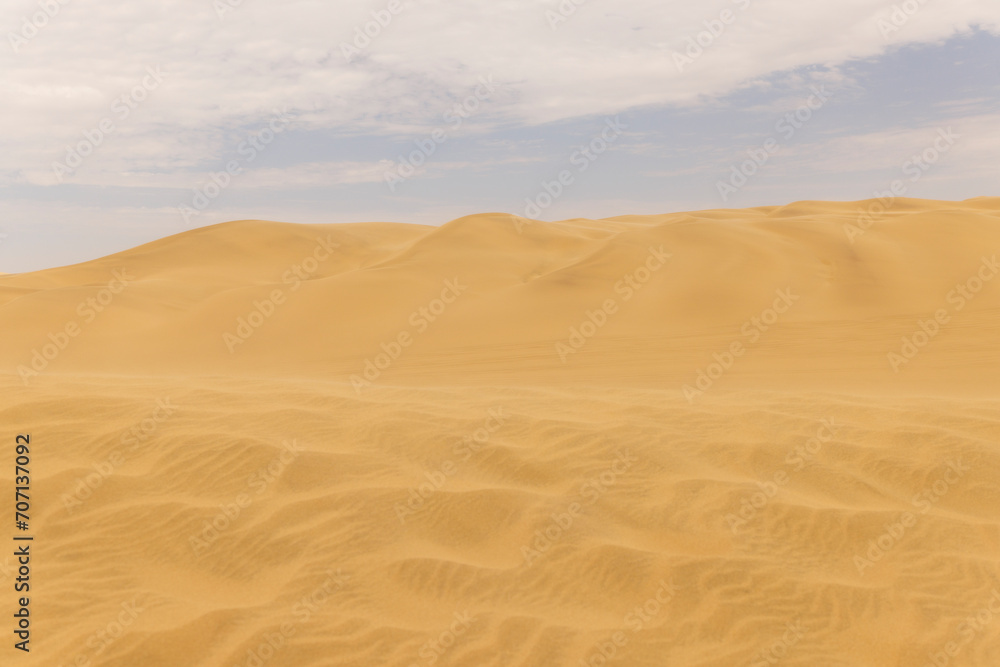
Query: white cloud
column 228, row 73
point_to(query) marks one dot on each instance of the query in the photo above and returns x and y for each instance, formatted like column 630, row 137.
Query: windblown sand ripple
column 479, row 500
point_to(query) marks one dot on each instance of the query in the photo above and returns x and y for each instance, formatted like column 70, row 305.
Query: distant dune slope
column 857, row 281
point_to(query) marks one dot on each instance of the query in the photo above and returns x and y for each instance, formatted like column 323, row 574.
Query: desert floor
column 757, row 437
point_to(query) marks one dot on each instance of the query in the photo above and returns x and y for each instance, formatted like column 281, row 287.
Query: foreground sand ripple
column 659, row 531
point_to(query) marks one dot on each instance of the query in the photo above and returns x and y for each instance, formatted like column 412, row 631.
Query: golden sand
column 756, row 437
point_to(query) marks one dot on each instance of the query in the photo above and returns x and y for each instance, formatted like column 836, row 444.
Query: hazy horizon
column 319, row 122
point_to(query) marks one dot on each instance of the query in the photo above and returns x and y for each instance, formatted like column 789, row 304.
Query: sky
column 127, row 122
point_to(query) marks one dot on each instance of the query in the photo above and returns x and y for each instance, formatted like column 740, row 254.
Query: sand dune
column 523, row 286
column 755, row 437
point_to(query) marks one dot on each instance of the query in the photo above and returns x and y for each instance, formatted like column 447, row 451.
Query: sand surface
column 756, row 437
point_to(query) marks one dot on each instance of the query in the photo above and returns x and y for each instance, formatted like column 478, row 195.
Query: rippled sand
column 500, row 490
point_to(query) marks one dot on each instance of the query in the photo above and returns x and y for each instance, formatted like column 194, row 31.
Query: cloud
column 228, row 71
